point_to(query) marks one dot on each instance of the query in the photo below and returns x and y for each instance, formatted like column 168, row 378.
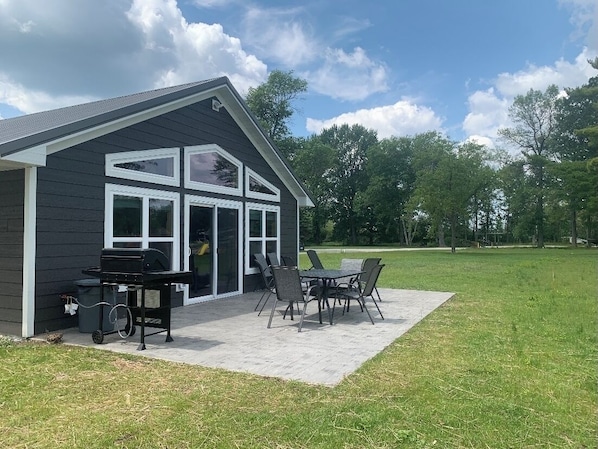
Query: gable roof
column 27, row 140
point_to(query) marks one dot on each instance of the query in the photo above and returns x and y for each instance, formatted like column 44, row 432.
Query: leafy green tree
column 272, row 103
column 448, row 177
column 348, row 175
column 313, row 162
column 519, row 212
column 391, row 182
column 576, row 142
column 534, row 118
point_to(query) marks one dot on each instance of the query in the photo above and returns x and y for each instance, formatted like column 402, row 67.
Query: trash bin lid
column 92, row 282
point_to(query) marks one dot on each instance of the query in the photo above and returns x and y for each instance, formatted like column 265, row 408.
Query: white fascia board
column 35, row 156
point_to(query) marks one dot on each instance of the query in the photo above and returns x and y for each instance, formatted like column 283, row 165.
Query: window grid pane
column 161, row 217
column 271, row 224
column 127, row 216
column 213, row 168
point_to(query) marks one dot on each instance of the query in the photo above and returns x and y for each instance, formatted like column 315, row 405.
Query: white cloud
column 284, row 37
column 348, row 76
column 562, row 73
column 278, row 35
column 488, row 110
column 400, row 119
column 200, row 51
column 104, row 49
column 584, row 17
column 29, row 101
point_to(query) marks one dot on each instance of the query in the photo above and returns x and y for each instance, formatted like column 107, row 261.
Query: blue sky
column 399, row 67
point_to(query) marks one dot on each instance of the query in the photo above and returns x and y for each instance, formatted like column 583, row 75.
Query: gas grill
column 146, row 274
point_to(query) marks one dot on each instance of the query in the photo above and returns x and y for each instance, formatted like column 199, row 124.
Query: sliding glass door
column 213, row 238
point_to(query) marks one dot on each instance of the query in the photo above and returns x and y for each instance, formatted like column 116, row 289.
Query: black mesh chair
column 288, row 289
column 273, row 259
column 360, row 295
column 268, row 279
column 314, row 259
column 367, row 266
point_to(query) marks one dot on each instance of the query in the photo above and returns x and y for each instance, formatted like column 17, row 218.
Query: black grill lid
column 133, row 260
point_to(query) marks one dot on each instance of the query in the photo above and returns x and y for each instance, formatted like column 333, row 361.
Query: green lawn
column 510, row 362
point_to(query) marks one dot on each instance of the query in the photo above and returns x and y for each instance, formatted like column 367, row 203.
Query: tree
column 448, row 178
column 534, row 117
column 313, row 163
column 348, row 175
column 272, row 104
column 391, row 182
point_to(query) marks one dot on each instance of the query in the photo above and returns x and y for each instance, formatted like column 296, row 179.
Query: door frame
column 215, row 203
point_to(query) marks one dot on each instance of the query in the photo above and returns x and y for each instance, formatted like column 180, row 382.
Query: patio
column 228, row 334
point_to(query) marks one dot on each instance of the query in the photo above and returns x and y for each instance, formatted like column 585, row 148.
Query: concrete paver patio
column 228, row 333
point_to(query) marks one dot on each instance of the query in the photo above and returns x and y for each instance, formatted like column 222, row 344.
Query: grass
column 510, row 362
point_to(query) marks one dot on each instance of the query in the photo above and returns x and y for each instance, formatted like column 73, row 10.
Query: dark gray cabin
column 184, row 169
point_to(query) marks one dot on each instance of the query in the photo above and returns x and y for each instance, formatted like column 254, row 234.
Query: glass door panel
column 201, row 264
column 228, row 250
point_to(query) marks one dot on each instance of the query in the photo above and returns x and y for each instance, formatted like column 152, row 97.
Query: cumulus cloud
column 400, row 119
column 284, row 37
column 198, row 50
column 103, row 49
column 488, row 109
column 562, row 73
column 279, row 35
column 584, row 18
column 348, row 76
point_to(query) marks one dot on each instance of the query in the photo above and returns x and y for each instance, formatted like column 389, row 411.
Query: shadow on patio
column 228, row 334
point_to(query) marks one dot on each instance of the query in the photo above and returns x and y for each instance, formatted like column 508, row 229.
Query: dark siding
column 12, row 185
column 71, row 197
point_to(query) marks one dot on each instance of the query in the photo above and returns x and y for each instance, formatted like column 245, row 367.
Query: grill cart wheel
column 129, row 330
column 97, row 337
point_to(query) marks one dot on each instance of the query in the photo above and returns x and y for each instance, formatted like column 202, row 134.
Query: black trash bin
column 88, row 296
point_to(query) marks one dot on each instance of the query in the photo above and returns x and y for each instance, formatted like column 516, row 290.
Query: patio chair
column 273, row 259
column 350, row 264
column 268, row 279
column 288, row 289
column 349, row 295
column 367, row 266
column 288, row 261
column 314, row 259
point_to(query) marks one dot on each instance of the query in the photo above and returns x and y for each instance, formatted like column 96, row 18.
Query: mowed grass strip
column 509, row 362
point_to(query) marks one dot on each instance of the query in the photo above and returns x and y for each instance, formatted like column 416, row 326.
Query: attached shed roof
column 27, row 140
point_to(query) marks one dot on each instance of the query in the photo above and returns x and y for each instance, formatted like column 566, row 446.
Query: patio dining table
column 328, row 276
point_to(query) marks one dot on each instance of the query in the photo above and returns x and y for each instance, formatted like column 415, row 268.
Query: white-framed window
column 262, row 232
column 161, row 166
column 143, row 218
column 211, row 169
column 258, row 188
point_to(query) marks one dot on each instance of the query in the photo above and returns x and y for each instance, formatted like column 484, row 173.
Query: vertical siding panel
column 12, row 190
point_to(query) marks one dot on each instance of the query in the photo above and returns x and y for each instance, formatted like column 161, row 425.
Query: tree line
column 429, row 190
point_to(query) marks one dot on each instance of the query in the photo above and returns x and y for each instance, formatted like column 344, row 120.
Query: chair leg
column 376, row 304
column 268, row 293
column 303, row 316
column 362, row 302
column 272, row 312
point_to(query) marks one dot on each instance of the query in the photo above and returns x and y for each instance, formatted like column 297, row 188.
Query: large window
column 210, row 168
column 142, row 218
column 262, row 232
column 258, row 187
column 156, row 166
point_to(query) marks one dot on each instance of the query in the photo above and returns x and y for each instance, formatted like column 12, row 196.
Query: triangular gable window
column 258, row 187
column 212, row 169
column 155, row 166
